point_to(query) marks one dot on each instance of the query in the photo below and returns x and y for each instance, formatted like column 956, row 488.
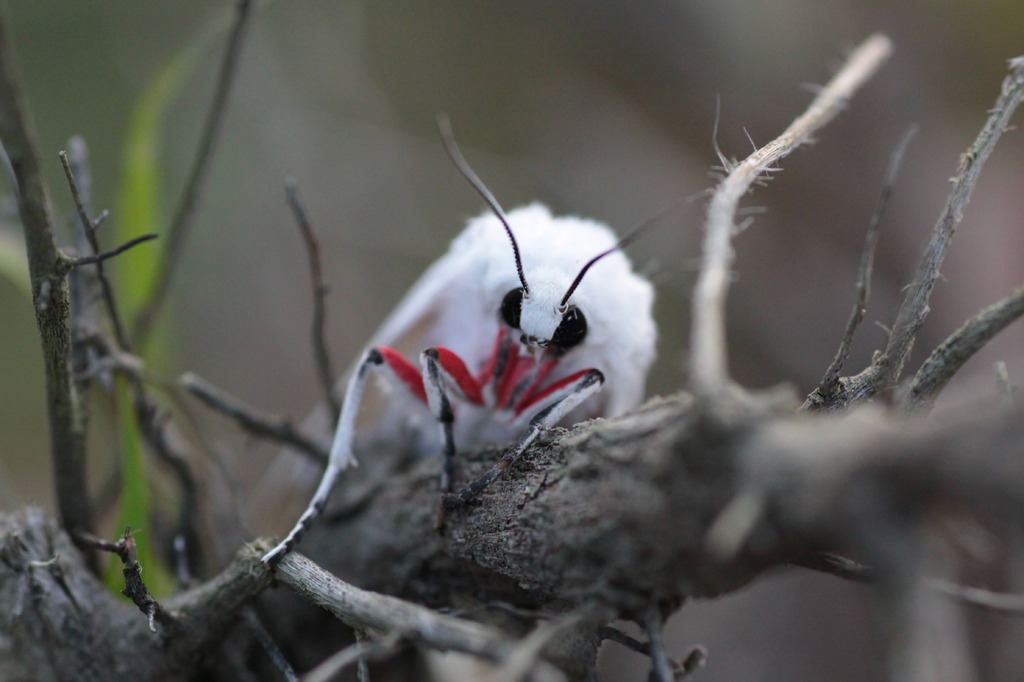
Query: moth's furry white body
column 455, row 304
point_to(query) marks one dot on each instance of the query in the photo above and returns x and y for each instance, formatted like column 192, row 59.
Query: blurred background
column 603, row 108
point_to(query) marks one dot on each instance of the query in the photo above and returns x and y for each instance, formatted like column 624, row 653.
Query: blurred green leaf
column 140, row 201
column 133, row 509
column 13, row 262
column 140, row 209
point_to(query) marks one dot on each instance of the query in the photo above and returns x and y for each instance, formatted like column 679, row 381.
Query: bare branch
column 181, row 224
column 320, row 290
column 950, row 356
column 381, row 613
column 708, row 365
column 89, row 225
column 264, row 426
column 50, row 296
column 830, row 380
column 885, row 369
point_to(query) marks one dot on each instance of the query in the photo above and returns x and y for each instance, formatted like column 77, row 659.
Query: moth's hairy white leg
column 587, row 385
column 341, row 456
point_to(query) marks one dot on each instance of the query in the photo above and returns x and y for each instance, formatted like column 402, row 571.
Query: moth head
column 542, row 319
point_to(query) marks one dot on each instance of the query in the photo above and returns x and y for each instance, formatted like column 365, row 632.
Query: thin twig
column 98, row 259
column 320, row 290
column 885, row 370
column 830, row 380
column 267, row 643
column 950, row 356
column 180, row 226
column 88, row 226
column 265, row 426
column 708, row 365
column 694, row 658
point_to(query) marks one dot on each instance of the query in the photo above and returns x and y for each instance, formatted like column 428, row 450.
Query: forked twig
column 885, row 370
column 830, row 380
column 708, row 365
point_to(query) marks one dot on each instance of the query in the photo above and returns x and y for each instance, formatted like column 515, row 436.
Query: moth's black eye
column 571, row 330
column 512, row 307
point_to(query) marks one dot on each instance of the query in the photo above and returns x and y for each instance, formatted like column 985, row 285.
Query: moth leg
column 341, row 457
column 577, row 389
column 444, row 371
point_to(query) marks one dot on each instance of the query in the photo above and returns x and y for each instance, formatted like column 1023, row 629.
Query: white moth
column 527, row 322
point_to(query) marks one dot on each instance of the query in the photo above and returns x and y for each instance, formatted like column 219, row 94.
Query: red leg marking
column 407, row 373
column 532, row 399
column 456, row 368
column 506, row 383
column 486, row 373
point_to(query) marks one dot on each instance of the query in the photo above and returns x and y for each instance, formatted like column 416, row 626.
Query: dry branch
column 885, row 369
column 950, row 356
column 709, row 370
column 48, row 268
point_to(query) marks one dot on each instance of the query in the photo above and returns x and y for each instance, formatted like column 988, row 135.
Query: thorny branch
column 830, row 380
column 885, row 370
column 708, row 367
